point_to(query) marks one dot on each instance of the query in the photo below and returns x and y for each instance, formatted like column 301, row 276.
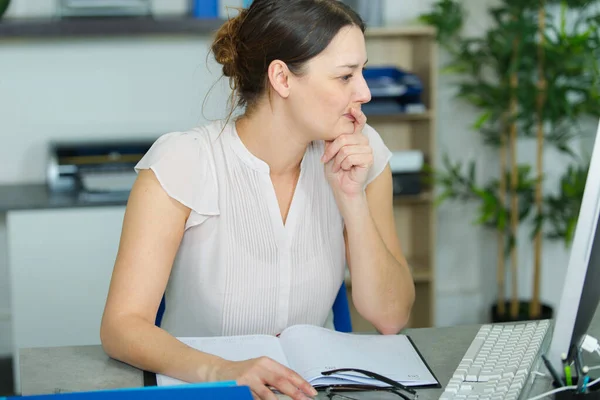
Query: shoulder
column 372, row 134
column 183, row 163
column 381, row 152
column 183, row 146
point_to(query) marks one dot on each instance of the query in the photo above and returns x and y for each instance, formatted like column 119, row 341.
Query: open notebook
column 309, row 350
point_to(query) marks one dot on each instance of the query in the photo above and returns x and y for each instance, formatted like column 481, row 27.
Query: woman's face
column 320, row 100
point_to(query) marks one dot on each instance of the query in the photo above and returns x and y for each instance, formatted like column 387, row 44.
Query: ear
column 279, row 75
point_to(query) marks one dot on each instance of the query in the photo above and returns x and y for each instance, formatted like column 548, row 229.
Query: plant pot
column 545, row 313
column 3, row 6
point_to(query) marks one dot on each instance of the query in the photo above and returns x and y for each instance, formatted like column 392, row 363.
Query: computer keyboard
column 498, row 362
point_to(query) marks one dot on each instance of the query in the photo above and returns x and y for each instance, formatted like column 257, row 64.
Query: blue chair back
column 342, row 321
column 161, row 311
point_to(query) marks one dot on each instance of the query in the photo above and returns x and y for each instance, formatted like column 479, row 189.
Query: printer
column 407, row 168
column 94, row 170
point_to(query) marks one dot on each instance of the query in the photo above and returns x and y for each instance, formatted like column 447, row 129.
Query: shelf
column 105, row 27
column 420, row 271
column 423, row 198
column 413, row 48
column 425, row 116
column 126, row 26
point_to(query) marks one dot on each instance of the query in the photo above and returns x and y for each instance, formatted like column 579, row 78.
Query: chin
column 332, row 133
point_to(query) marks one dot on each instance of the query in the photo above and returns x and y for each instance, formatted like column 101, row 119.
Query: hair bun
column 225, row 45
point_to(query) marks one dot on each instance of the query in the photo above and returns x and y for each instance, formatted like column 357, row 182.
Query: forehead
column 346, row 48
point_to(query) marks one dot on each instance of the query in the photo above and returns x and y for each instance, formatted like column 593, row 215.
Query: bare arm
column 382, row 286
column 152, row 231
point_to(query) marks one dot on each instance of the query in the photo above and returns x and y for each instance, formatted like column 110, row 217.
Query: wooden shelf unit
column 87, row 27
column 413, row 49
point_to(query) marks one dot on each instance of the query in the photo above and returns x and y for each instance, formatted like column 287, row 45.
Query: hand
column 260, row 373
column 348, row 158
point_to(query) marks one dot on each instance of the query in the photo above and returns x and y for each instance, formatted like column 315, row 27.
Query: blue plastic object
column 342, row 321
column 160, row 312
column 197, row 391
column 205, row 8
column 393, row 90
column 391, row 82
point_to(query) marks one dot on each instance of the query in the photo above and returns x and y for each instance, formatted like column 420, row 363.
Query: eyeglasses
column 333, row 391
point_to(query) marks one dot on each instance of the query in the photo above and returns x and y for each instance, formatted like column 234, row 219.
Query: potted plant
column 532, row 77
column 3, row 6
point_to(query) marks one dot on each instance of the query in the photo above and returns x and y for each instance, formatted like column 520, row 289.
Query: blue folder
column 197, row 391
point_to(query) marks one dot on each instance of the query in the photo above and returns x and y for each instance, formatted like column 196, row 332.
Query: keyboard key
column 473, row 350
column 473, row 374
column 497, row 362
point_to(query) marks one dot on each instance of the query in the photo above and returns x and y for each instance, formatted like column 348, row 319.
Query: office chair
column 342, row 321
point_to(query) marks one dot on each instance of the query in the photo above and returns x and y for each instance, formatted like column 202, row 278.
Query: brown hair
column 293, row 31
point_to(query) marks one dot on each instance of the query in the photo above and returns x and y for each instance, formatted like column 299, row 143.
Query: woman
column 248, row 224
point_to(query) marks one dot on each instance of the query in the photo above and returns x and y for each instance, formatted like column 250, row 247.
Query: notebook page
column 311, row 350
column 233, row 348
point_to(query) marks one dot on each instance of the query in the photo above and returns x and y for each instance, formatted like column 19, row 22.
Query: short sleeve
column 184, row 167
column 381, row 153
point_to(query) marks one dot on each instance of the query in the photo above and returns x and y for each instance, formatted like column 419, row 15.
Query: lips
column 350, row 117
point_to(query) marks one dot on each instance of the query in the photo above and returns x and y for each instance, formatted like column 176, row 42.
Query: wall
column 5, row 331
column 466, row 266
column 101, row 88
column 105, row 88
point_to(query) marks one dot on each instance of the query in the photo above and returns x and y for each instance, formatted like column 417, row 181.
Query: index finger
column 293, row 378
column 360, row 119
column 332, row 148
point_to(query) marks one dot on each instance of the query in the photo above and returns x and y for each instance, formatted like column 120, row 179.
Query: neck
column 272, row 140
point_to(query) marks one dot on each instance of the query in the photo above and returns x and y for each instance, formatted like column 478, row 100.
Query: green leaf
column 483, row 118
column 443, row 197
column 482, row 67
column 472, row 172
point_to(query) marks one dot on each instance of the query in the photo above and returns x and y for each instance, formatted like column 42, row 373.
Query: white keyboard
column 497, row 363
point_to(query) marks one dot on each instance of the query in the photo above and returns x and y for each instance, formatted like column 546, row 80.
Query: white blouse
column 239, row 269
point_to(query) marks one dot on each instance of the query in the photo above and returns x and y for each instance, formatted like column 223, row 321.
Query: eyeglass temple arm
column 371, row 375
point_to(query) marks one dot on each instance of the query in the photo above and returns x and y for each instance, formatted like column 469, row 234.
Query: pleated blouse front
column 239, row 268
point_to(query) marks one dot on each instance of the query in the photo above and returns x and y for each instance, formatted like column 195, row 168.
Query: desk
column 79, row 368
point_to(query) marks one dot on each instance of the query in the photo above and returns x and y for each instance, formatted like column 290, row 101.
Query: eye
column 346, row 78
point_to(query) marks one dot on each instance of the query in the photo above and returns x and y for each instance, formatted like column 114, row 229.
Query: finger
column 360, row 119
column 331, row 149
column 356, row 160
column 325, row 150
column 257, row 388
column 263, row 392
column 299, row 388
column 348, row 151
column 285, row 386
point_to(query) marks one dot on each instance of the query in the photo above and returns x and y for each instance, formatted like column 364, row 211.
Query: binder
column 196, row 391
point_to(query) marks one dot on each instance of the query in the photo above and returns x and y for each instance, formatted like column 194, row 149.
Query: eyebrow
column 352, row 66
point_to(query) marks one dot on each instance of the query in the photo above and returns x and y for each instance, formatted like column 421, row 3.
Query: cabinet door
column 60, row 264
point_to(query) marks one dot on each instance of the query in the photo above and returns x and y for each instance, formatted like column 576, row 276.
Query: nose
column 363, row 94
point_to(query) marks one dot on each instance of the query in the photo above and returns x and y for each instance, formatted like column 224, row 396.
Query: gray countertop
column 35, row 196
column 82, row 368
